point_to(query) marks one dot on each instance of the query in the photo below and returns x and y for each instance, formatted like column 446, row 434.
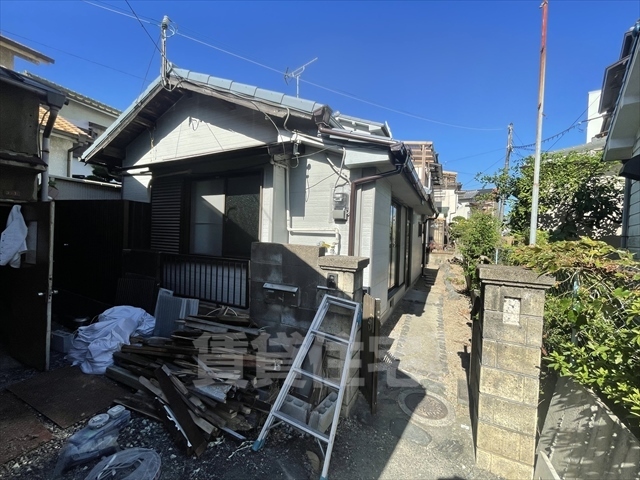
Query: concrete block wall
column 508, row 388
column 308, row 269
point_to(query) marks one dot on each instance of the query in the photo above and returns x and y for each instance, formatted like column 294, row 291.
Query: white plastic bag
column 93, row 346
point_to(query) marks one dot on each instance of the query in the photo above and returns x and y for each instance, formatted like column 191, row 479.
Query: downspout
column 625, row 213
column 46, row 135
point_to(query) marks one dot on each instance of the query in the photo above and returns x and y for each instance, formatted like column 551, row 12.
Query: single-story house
column 225, row 164
column 620, row 105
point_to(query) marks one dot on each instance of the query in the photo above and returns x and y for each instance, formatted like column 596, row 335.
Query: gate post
column 505, row 400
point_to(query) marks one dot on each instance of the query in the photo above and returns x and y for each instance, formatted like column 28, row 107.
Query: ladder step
column 330, row 337
column 302, row 426
column 322, row 380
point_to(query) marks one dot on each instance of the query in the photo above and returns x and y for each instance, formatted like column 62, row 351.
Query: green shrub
column 477, row 236
column 592, row 315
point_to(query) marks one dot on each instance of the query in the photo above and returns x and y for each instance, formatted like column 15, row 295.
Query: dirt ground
column 388, row 445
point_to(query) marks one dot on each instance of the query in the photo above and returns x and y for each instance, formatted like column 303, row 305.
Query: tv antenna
column 296, row 74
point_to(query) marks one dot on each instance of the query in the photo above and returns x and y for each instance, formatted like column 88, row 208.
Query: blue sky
column 472, row 64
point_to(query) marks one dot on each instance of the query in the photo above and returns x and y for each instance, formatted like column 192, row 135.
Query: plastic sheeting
column 93, row 346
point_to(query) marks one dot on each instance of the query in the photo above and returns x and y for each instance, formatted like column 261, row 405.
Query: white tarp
column 93, row 346
column 13, row 239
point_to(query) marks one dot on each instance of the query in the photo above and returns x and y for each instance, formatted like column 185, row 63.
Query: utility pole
column 163, row 65
column 506, row 170
column 533, row 226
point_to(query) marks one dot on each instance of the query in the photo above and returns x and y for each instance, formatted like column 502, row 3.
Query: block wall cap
column 509, row 275
column 344, row 263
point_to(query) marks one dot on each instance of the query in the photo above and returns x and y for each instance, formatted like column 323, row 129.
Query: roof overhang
column 50, row 96
column 142, row 114
column 24, row 52
column 623, row 132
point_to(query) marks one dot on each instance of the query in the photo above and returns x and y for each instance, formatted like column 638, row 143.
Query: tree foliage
column 476, row 237
column 577, row 197
column 592, row 315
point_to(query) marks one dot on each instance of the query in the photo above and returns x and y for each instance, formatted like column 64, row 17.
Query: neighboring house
column 483, row 199
column 446, row 195
column 226, row 164
column 620, row 104
column 10, row 49
column 79, row 122
column 594, row 124
column 443, row 184
column 25, row 303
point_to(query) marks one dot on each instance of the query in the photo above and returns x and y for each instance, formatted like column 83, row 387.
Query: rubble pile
column 213, row 376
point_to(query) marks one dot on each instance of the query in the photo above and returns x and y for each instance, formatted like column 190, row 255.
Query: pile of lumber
column 212, row 377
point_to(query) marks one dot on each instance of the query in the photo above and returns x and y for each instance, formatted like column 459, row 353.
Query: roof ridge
column 73, row 93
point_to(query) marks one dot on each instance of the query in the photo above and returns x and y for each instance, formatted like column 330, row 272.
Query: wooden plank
column 204, row 324
column 181, row 412
column 123, row 376
column 157, row 391
column 370, row 334
column 133, row 403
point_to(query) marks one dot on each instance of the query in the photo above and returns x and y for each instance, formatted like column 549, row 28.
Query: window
column 399, row 245
column 394, row 245
column 225, row 215
column 211, row 216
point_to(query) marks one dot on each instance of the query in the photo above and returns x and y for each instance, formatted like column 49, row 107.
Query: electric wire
column 142, row 25
column 70, row 54
column 557, row 135
column 332, row 90
column 472, row 156
column 144, row 80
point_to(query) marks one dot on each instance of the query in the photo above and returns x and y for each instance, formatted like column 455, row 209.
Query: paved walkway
column 421, row 429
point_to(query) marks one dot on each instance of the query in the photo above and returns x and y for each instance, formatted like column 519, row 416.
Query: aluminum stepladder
column 296, row 371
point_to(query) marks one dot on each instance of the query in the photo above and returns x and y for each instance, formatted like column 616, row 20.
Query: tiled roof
column 75, row 95
column 62, row 125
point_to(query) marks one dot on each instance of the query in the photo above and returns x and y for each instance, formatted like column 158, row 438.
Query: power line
column 472, row 156
column 120, row 12
column 559, row 134
column 142, row 25
column 153, row 55
column 71, row 54
column 230, row 53
column 337, row 92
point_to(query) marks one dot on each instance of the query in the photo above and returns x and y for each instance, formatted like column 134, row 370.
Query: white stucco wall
column 594, row 126
column 58, row 151
column 80, row 115
column 58, row 146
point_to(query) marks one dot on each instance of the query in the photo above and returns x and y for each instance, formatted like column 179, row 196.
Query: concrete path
column 421, row 429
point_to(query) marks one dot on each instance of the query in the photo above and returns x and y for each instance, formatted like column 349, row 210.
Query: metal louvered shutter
column 166, row 209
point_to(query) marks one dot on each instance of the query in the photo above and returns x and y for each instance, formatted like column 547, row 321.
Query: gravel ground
column 387, row 445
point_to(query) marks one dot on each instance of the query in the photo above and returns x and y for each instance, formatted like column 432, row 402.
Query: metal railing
column 224, row 281
column 218, row 280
